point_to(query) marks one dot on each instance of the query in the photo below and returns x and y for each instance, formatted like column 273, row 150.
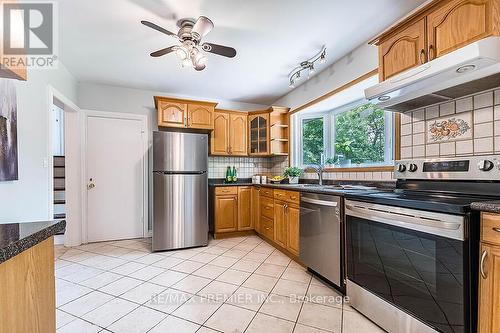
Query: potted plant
column 293, row 174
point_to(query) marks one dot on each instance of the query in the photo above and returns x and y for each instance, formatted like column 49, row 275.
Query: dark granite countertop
column 487, row 206
column 18, row 237
column 311, row 187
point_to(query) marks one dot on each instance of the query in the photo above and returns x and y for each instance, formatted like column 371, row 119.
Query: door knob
column 91, row 185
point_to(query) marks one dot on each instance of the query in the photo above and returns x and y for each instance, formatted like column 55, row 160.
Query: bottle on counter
column 229, row 177
column 235, row 177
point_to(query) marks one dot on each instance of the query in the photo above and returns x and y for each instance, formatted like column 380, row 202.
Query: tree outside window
column 312, row 140
column 360, row 134
column 357, row 136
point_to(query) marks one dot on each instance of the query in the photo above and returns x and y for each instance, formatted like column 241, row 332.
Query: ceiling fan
column 189, row 35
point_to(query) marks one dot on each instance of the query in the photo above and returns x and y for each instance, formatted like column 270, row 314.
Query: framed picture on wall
column 8, row 131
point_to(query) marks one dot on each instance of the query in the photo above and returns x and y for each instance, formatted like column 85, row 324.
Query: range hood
column 468, row 70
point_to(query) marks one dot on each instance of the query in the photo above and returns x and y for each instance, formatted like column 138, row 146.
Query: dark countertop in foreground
column 487, row 206
column 18, row 237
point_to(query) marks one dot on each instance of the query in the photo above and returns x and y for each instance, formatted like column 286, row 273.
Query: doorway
column 64, row 162
column 116, row 176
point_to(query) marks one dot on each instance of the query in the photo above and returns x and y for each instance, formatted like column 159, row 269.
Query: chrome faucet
column 319, row 168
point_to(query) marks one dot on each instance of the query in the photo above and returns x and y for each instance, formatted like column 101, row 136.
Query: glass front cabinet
column 259, row 134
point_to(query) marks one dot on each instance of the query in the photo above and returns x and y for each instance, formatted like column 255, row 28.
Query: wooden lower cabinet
column 280, row 223
column 233, row 209
column 253, row 208
column 256, row 208
column 283, row 227
column 27, row 291
column 245, row 208
column 226, row 213
column 489, row 277
column 292, row 243
column 267, row 227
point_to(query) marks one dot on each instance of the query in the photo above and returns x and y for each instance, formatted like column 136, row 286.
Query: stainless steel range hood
column 473, row 68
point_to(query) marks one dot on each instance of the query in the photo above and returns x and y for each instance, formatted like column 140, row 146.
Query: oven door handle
column 434, row 226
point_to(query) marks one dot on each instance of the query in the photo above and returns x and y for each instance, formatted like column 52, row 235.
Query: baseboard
column 222, row 235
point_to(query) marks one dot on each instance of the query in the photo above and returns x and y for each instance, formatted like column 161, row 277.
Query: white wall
column 355, row 64
column 27, row 199
column 120, row 99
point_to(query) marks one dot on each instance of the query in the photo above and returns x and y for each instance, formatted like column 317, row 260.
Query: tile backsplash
column 462, row 127
column 246, row 167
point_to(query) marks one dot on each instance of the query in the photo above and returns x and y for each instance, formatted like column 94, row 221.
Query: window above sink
column 347, row 130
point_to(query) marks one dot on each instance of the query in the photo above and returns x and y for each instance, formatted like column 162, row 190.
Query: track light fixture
column 308, row 65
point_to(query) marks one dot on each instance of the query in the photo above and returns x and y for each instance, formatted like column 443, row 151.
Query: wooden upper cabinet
column 200, row 116
column 172, row 114
column 226, row 213
column 258, row 126
column 402, row 51
column 229, row 136
column 458, row 23
column 245, row 208
column 238, row 136
column 219, row 140
column 438, row 28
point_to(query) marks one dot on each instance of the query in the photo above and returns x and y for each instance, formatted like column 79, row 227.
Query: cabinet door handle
column 496, row 229
column 431, row 52
column 481, row 266
column 422, row 56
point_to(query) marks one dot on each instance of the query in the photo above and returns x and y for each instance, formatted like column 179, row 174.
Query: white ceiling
column 102, row 41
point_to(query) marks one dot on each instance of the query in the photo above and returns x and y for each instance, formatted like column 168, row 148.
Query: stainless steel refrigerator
column 180, row 190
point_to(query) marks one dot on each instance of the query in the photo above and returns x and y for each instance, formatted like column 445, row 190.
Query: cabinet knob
column 431, row 52
column 422, row 56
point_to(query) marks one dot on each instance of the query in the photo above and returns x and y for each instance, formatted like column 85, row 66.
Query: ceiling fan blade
column 202, row 26
column 158, row 28
column 164, row 51
column 225, row 51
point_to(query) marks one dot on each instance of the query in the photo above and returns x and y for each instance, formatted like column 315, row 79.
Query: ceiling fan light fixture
column 190, row 49
column 181, row 52
column 186, row 63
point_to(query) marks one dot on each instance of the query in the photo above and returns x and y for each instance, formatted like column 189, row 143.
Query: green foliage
column 312, row 140
column 292, row 172
column 359, row 134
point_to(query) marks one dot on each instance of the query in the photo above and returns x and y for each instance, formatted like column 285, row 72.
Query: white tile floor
column 234, row 285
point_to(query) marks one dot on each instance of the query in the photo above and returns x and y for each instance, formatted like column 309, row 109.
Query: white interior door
column 115, row 178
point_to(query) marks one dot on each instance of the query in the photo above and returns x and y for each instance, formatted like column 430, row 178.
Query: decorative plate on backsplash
column 451, row 128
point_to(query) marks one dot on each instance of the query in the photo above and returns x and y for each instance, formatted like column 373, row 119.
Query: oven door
column 413, row 260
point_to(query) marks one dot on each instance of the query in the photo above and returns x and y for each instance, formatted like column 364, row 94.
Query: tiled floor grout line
column 172, row 268
column 144, row 281
column 235, row 292
column 260, row 307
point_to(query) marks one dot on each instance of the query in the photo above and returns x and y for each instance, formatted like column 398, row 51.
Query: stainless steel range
column 412, row 253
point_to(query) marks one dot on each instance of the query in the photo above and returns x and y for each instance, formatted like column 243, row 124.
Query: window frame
column 329, row 118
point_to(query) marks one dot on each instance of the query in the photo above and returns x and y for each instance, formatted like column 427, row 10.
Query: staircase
column 59, row 188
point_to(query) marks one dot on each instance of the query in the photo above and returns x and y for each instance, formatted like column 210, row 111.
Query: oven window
column 420, row 273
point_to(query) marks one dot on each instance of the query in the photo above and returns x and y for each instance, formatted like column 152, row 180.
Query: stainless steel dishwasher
column 320, row 232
